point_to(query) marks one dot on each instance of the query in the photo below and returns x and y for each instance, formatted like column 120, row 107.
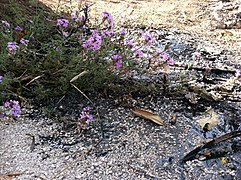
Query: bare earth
column 193, row 16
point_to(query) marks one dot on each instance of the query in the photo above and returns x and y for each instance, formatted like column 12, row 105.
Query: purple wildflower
column 7, row 104
column 118, row 63
column 123, row 32
column 62, row 22
column 110, row 33
column 74, row 16
column 116, row 57
column 106, row 15
column 139, row 53
column 87, row 108
column 85, row 45
column 85, row 117
column 15, row 110
column 12, row 108
column 94, row 42
column 166, row 57
column 148, row 38
column 12, row 47
column 171, row 61
column 24, row 42
column 130, row 43
column 118, row 60
column 105, row 33
column 90, row 118
column 18, row 28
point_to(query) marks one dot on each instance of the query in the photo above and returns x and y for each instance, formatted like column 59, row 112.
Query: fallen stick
column 194, row 154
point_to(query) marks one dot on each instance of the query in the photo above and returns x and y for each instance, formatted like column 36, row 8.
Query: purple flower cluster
column 130, row 43
column 74, row 15
column 94, row 42
column 24, row 42
column 117, row 56
column 12, row 47
column 62, row 22
column 18, row 28
column 105, row 33
column 107, row 16
column 166, row 57
column 12, row 109
column 139, row 53
column 149, row 39
column 123, row 32
column 85, row 117
column 118, row 60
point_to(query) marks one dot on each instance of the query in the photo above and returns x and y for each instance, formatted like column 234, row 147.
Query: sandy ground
column 131, row 148
column 193, row 16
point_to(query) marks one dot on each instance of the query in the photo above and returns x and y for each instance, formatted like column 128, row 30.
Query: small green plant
column 85, row 119
column 44, row 56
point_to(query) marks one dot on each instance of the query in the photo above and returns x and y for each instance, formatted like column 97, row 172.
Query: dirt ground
column 192, row 16
column 122, row 146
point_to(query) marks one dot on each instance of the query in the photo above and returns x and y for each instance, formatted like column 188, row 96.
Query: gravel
column 120, row 146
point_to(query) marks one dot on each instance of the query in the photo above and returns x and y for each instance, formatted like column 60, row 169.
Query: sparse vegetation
column 41, row 57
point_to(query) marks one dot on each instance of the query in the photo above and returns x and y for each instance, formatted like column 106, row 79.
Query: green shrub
column 45, row 55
